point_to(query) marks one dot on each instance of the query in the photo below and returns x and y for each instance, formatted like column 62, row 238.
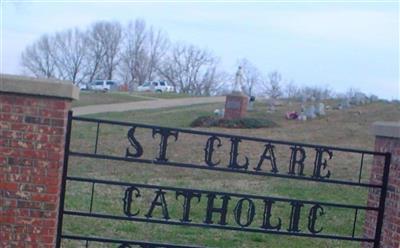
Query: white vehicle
column 103, row 85
column 156, row 86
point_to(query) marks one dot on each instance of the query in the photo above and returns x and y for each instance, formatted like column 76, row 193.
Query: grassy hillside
column 94, row 98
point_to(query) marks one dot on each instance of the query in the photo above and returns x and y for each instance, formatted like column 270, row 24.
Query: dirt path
column 151, row 104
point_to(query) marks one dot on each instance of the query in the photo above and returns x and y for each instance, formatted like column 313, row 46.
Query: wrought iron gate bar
column 281, row 199
column 97, row 137
column 126, row 242
column 215, row 226
column 361, row 167
column 224, row 135
column 382, row 200
column 354, row 222
column 91, row 197
column 222, row 169
column 64, row 179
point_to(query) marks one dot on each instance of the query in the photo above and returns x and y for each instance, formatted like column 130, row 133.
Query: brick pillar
column 33, row 117
column 387, row 140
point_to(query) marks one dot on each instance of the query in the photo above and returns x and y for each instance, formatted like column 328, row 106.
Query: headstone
column 359, row 99
column 320, row 109
column 302, row 117
column 310, row 112
column 235, row 106
column 303, row 108
column 345, row 103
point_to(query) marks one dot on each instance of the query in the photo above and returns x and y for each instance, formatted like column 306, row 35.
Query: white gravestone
column 320, row 109
column 310, row 112
column 344, row 104
column 302, row 117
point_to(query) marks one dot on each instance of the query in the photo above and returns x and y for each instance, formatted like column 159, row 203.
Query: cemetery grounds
column 345, row 128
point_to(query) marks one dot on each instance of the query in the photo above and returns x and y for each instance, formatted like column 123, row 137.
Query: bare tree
column 251, row 75
column 291, row 90
column 60, row 56
column 211, row 80
column 95, row 52
column 157, row 46
column 70, row 51
column 111, row 40
column 134, row 55
column 39, row 58
column 187, row 68
column 273, row 85
column 317, row 92
column 103, row 44
column 352, row 92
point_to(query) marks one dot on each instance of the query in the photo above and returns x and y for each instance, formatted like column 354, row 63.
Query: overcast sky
column 340, row 45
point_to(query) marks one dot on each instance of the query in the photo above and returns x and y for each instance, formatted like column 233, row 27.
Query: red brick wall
column 32, row 131
column 391, row 223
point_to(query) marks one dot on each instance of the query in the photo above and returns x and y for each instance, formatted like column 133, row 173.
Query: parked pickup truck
column 156, row 86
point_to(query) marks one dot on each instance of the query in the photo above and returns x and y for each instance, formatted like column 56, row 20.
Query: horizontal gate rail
column 126, row 243
column 233, row 228
column 222, row 169
column 281, row 199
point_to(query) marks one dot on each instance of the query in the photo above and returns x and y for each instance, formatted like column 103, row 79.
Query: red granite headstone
column 235, row 106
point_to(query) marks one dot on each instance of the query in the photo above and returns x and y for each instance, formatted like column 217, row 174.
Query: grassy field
column 164, row 95
column 347, row 128
column 94, row 98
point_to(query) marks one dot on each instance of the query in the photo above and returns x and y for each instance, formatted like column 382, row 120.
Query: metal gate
column 247, row 207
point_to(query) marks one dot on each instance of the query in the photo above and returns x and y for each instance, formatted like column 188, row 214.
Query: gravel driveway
column 151, row 104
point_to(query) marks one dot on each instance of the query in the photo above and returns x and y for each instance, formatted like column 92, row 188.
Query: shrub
column 204, row 121
column 247, row 122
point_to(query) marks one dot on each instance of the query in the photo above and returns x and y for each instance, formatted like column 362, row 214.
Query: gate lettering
column 243, row 214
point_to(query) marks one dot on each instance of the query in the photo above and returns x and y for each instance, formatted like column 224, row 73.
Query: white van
column 103, row 85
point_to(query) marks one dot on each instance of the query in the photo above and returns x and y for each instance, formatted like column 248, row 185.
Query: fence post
column 33, row 119
column 387, row 139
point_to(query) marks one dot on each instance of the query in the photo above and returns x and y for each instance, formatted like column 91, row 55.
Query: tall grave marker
column 236, row 102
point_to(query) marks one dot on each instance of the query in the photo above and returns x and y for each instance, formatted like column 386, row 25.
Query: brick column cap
column 390, row 129
column 38, row 86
